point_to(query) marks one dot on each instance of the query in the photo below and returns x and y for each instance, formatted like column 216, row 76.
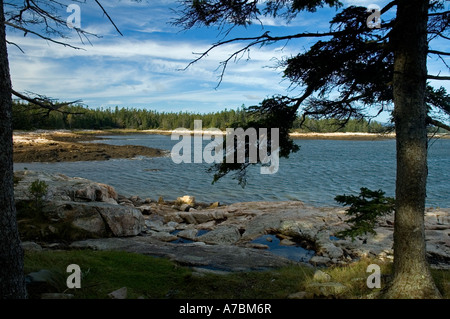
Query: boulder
column 75, row 208
column 41, row 281
column 188, row 233
column 260, row 225
column 42, row 276
column 187, row 218
column 185, row 207
column 188, row 200
column 330, row 250
column 137, row 201
column 64, row 188
column 287, row 242
column 207, row 226
column 319, row 261
column 298, row 228
column 298, row 295
column 96, row 192
column 146, row 209
column 326, row 289
column 122, row 221
column 77, row 220
column 119, row 293
column 321, row 276
column 202, row 217
column 31, row 246
column 159, row 226
column 163, row 236
column 227, row 235
column 98, row 219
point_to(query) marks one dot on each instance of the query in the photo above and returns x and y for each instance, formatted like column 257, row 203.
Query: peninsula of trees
column 29, row 117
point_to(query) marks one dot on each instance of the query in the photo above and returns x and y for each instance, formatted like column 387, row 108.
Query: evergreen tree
column 367, row 67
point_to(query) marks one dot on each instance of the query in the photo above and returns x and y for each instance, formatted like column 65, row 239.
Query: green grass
column 159, row 278
column 274, row 284
column 104, row 272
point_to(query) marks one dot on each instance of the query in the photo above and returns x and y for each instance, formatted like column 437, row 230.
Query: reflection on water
column 321, row 170
column 295, row 253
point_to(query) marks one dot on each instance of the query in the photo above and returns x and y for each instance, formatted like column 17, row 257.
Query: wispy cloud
column 138, row 72
column 143, row 68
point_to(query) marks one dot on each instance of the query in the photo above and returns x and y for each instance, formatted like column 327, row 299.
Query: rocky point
column 207, row 235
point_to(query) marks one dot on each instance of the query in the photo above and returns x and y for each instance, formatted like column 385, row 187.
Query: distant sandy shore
column 70, row 146
column 295, row 135
column 343, row 136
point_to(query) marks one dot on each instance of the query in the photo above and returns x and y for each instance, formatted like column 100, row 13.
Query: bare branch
column 438, row 52
column 46, row 103
column 17, row 46
column 42, row 36
column 389, row 6
column 261, row 40
column 109, row 18
column 437, row 77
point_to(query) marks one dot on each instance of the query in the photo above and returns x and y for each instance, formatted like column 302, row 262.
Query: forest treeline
column 29, row 117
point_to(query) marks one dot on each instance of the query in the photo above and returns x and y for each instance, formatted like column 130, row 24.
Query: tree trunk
column 12, row 281
column 412, row 277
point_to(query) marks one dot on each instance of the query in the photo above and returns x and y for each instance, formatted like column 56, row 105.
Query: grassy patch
column 159, row 278
column 354, row 277
column 274, row 284
column 104, row 272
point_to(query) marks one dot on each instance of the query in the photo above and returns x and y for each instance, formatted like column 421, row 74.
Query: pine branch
column 261, row 40
column 438, row 13
column 438, row 123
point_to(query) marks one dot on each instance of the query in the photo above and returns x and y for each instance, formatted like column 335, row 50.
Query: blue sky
column 142, row 69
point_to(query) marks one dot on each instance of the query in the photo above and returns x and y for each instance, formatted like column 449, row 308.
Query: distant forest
column 29, row 117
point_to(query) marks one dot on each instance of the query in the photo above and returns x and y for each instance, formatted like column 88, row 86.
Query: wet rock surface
column 73, row 208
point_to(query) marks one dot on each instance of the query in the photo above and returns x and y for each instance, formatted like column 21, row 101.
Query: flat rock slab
column 217, row 257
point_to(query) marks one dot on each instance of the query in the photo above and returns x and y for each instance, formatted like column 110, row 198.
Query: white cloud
column 141, row 72
column 143, row 67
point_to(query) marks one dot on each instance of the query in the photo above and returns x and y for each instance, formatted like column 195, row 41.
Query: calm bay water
column 317, row 173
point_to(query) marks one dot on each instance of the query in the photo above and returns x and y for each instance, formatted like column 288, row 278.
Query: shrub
column 364, row 211
column 38, row 190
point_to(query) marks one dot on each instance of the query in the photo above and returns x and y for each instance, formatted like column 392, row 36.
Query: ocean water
column 317, row 173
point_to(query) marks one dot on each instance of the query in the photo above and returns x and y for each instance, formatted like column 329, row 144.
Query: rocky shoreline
column 82, row 214
column 66, row 146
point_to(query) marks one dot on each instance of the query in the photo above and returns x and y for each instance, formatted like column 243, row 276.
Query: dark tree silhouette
column 36, row 18
column 367, row 67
